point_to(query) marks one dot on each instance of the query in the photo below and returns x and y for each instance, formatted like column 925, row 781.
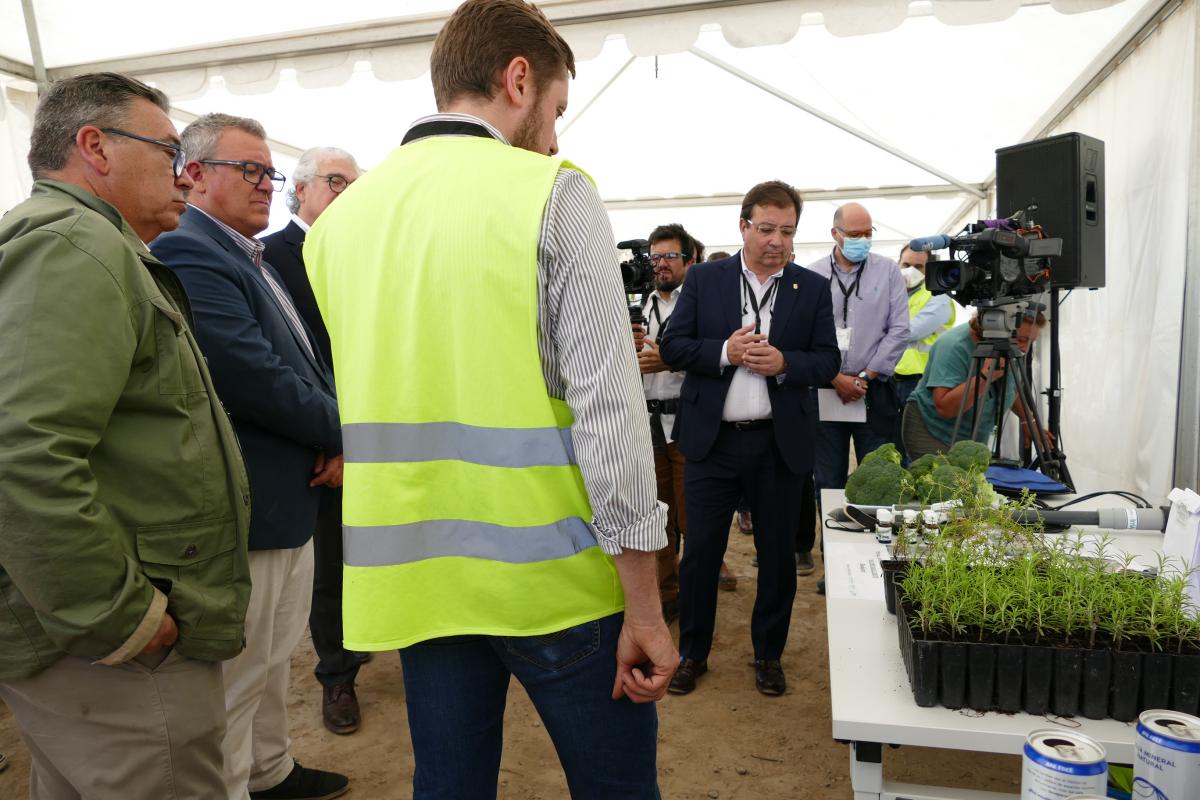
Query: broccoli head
column 967, row 454
column 926, row 464
column 943, row 483
column 886, row 452
column 877, row 483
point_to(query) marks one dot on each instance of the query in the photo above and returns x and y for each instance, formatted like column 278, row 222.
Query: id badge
column 843, row 339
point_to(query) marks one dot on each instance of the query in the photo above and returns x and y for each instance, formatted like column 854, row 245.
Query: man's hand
column 1047, row 437
column 764, row 359
column 992, row 371
column 166, row 636
column 328, row 471
column 641, row 642
column 850, row 388
column 639, row 337
column 650, row 360
column 739, row 342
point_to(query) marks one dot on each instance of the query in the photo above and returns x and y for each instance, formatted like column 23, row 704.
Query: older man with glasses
column 278, row 389
column 321, row 175
column 124, row 499
column 870, row 311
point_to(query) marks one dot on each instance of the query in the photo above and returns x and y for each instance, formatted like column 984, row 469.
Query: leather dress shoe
column 768, row 677
column 804, row 564
column 339, row 708
column 744, row 523
column 306, row 784
column 684, row 680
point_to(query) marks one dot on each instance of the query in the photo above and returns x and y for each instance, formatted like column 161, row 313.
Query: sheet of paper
column 1181, row 541
column 832, row 409
column 859, row 575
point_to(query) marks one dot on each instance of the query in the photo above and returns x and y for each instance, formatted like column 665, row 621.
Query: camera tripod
column 998, row 345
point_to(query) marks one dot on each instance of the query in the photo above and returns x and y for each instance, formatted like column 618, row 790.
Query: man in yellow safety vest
column 500, row 512
column 929, row 316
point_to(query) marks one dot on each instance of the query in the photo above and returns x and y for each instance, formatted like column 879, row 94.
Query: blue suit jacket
column 707, row 312
column 279, row 396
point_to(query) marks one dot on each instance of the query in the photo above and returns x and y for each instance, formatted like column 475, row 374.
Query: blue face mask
column 855, row 250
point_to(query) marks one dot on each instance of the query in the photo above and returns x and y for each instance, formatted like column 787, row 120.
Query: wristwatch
column 860, row 377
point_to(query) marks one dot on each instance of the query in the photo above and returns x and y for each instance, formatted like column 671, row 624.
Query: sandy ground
column 723, row 741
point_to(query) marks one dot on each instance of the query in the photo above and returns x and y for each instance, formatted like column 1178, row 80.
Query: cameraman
column 931, row 411
column 672, row 252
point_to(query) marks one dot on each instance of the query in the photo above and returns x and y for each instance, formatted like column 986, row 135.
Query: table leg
column 866, row 770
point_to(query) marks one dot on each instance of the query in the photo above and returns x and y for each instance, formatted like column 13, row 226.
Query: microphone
column 923, row 244
column 1116, row 519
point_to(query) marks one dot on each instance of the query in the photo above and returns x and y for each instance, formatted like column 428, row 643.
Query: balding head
column 852, row 217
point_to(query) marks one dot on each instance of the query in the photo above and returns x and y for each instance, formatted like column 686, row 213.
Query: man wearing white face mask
column 929, row 316
column 870, row 314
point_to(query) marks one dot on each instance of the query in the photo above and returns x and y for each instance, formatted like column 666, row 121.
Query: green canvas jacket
column 122, row 487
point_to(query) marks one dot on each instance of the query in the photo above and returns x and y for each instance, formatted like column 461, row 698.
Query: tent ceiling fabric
column 654, row 131
column 78, row 38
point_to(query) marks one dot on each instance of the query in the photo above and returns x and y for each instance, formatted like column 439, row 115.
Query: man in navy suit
column 754, row 333
column 322, row 173
column 279, row 393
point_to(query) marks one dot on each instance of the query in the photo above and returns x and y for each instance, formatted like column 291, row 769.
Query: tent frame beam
column 1186, row 470
column 35, row 46
column 832, row 120
column 809, row 195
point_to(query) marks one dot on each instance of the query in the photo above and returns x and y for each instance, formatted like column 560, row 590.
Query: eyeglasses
column 656, row 258
column 337, row 183
column 177, row 161
column 767, row 229
column 859, row 234
column 252, row 171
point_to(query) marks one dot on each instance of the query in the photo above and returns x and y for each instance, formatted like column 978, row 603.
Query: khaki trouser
column 150, row 728
column 257, row 745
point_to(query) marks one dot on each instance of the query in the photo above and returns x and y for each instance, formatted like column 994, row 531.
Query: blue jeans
column 456, row 690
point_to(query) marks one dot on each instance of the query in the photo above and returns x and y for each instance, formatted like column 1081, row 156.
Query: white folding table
column 872, row 701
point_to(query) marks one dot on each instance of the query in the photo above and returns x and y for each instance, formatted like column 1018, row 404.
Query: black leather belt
column 749, row 424
column 670, row 406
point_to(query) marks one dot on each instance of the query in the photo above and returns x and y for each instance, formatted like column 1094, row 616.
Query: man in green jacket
column 124, row 502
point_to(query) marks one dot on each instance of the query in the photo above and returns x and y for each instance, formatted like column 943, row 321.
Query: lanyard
column 662, row 322
column 846, row 291
column 768, row 295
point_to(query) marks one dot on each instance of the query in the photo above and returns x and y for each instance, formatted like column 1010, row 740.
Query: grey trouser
column 149, row 729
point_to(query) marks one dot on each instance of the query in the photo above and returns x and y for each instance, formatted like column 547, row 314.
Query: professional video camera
column 638, row 276
column 993, row 262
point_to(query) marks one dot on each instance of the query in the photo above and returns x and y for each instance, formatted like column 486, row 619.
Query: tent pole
column 596, row 96
column 35, row 46
column 968, row 188
column 1187, row 422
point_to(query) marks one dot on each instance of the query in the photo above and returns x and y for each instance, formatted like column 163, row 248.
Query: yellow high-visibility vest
column 917, row 355
column 464, row 510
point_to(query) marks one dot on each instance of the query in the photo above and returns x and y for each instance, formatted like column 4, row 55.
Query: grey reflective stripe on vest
column 387, row 545
column 921, row 347
column 398, row 442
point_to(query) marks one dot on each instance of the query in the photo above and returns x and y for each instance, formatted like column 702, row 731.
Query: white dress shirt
column 661, row 385
column 747, row 398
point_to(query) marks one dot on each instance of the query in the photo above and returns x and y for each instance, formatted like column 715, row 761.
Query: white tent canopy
column 679, row 106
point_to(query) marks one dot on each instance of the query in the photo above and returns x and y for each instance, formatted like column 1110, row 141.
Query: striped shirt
column 588, row 360
column 253, row 249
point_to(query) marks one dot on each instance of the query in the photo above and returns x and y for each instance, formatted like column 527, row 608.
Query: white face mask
column 912, row 277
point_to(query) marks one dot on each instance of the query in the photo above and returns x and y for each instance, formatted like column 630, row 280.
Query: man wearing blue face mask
column 870, row 313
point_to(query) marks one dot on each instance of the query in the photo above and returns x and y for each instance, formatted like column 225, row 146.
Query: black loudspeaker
column 1064, row 176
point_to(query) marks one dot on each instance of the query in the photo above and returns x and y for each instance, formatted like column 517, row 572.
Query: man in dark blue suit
column 755, row 334
column 279, row 394
column 322, row 173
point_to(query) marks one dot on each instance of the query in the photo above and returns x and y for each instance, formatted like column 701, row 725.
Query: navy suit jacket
column 707, row 312
column 279, row 396
column 285, row 252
